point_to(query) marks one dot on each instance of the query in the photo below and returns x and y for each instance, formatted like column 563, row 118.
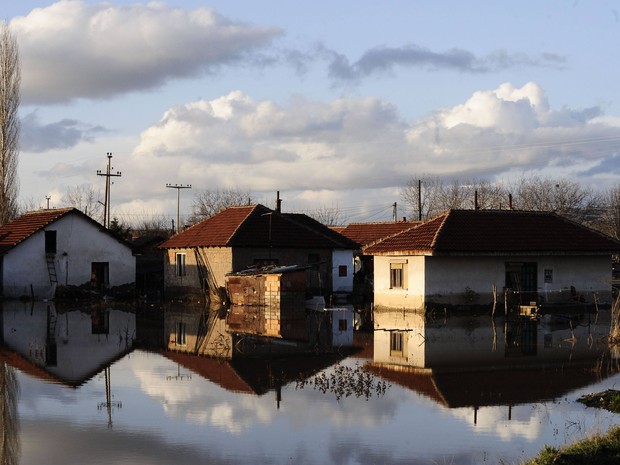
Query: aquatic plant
column 345, row 381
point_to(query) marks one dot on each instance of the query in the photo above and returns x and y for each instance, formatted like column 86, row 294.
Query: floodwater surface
column 81, row 386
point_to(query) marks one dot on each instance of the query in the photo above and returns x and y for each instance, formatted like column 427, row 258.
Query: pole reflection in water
column 464, row 390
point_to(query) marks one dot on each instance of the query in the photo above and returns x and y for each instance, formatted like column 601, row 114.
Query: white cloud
column 350, row 144
column 72, row 49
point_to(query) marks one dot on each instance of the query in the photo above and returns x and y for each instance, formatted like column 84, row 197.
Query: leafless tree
column 329, row 216
column 84, row 198
column 435, row 196
column 423, row 196
column 562, row 196
column 212, row 201
column 10, row 79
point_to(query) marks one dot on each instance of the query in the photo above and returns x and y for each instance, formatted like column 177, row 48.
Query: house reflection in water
column 68, row 346
column 471, row 361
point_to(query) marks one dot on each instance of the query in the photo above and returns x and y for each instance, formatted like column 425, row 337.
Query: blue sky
column 334, row 104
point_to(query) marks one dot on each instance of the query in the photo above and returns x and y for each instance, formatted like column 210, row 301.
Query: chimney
column 509, row 201
column 278, row 202
column 476, row 207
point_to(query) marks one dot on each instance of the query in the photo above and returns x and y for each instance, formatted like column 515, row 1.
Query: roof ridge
column 253, row 208
column 446, row 214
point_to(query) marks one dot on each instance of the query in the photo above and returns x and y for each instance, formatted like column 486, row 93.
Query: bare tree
column 210, row 202
column 562, row 196
column 10, row 79
column 423, row 196
column 84, row 198
column 329, row 216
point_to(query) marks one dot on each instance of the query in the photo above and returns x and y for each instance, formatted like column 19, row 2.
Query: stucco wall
column 342, row 258
column 468, row 280
column 411, row 296
column 79, row 243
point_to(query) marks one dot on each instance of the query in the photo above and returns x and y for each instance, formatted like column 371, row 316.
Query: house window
column 342, row 271
column 181, row 334
column 396, row 343
column 398, row 276
column 342, row 325
column 180, row 264
column 548, row 276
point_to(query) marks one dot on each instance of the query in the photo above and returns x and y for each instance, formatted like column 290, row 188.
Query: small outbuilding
column 45, row 249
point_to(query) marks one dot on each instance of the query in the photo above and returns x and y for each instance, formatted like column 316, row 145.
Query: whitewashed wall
column 448, row 279
column 411, row 297
column 342, row 283
column 79, row 243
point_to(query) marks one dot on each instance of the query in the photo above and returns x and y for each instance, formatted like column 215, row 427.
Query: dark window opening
column 50, row 241
column 343, row 271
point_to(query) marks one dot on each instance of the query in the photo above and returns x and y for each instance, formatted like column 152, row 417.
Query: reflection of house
column 197, row 330
column 255, row 375
column 474, row 361
column 459, row 257
column 199, row 258
column 48, row 248
column 68, row 346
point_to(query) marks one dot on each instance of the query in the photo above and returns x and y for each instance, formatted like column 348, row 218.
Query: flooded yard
column 101, row 386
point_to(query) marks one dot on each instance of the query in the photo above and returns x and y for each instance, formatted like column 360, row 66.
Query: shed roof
column 258, row 226
column 496, row 231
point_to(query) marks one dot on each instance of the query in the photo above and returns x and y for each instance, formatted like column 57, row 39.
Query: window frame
column 180, row 265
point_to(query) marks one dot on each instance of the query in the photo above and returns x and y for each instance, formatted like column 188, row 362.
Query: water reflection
column 9, row 421
column 134, row 386
column 477, row 362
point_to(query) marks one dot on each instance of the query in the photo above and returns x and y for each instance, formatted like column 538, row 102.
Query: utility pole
column 178, row 187
column 106, row 203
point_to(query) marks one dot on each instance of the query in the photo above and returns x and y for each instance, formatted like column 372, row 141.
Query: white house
column 45, row 249
column 476, row 257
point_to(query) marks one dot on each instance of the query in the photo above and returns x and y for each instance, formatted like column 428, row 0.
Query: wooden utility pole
column 106, row 203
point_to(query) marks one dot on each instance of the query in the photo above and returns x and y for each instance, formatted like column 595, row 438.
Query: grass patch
column 608, row 400
column 601, row 449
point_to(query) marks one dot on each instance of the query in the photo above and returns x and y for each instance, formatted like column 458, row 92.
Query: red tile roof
column 367, row 234
column 258, row 226
column 22, row 228
column 496, row 231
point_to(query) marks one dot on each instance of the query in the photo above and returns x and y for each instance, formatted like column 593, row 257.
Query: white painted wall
column 445, row 279
column 412, row 296
column 342, row 283
column 79, row 243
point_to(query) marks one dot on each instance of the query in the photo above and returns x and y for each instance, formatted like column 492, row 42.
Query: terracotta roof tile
column 496, row 231
column 257, row 226
column 20, row 229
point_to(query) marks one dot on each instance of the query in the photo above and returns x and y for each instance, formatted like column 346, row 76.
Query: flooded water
column 101, row 386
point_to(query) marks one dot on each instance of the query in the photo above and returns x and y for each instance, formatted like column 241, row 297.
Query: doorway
column 99, row 277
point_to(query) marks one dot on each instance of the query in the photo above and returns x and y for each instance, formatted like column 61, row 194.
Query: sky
column 335, row 105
